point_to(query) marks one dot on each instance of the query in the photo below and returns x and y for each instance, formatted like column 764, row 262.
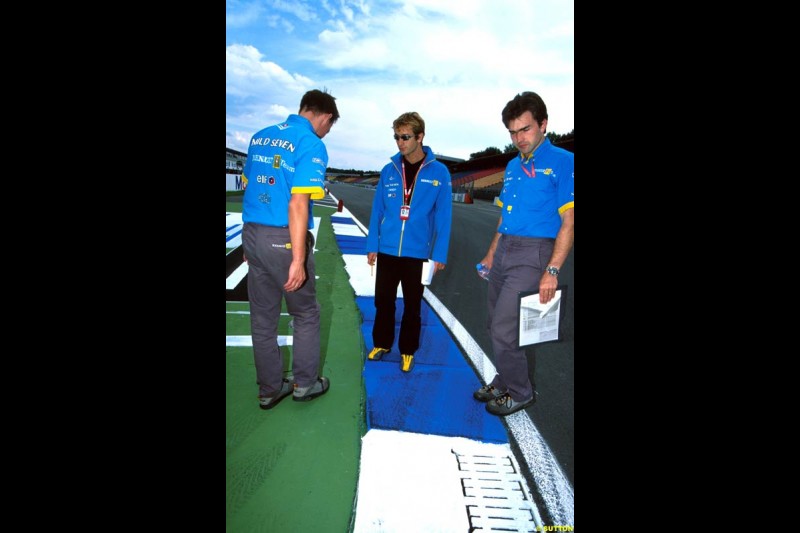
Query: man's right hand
column 297, row 276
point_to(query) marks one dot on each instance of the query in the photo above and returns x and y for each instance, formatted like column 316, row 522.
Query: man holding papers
column 535, row 233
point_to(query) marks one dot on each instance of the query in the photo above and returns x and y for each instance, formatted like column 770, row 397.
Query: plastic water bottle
column 482, row 271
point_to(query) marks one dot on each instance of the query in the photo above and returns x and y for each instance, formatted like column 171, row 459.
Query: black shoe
column 309, row 393
column 272, row 401
column 503, row 405
column 486, row 393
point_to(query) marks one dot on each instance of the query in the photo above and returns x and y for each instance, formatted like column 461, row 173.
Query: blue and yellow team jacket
column 426, row 233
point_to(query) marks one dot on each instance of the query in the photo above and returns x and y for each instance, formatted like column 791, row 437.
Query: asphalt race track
column 463, row 292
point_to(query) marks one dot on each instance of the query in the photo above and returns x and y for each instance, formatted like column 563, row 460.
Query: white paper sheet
column 538, row 322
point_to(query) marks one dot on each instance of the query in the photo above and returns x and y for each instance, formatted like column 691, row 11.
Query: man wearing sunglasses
column 409, row 224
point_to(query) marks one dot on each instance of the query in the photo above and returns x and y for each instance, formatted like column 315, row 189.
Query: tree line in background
column 351, row 171
column 555, row 138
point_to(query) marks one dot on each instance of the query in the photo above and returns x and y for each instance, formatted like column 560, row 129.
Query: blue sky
column 455, row 62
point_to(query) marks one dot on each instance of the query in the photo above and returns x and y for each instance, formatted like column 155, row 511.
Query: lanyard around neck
column 407, row 190
column 532, row 172
column 522, row 161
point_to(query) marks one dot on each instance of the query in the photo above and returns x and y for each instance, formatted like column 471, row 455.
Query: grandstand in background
column 483, row 177
column 234, row 161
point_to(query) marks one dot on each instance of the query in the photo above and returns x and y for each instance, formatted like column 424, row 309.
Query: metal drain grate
column 495, row 494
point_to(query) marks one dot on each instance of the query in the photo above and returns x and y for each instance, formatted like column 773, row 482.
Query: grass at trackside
column 295, row 467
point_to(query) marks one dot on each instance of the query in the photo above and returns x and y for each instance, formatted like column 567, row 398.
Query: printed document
column 538, row 322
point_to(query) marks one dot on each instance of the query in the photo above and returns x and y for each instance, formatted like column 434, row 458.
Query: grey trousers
column 517, row 266
column 268, row 261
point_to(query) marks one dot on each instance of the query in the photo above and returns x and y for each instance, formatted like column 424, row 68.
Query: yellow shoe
column 406, row 362
column 377, row 353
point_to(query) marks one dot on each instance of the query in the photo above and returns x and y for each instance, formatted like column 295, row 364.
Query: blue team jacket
column 426, row 233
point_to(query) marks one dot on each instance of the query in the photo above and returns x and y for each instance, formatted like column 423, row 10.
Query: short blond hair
column 411, row 119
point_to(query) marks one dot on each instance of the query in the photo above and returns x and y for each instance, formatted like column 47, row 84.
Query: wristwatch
column 552, row 270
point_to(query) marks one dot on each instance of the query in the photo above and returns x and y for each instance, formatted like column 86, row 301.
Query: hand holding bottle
column 483, row 271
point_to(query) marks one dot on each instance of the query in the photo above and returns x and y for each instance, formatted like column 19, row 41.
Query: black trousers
column 392, row 271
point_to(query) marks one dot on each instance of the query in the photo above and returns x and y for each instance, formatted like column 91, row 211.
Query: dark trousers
column 517, row 266
column 268, row 269
column 407, row 272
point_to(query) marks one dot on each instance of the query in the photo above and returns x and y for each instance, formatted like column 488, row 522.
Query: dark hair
column 319, row 102
column 411, row 119
column 527, row 101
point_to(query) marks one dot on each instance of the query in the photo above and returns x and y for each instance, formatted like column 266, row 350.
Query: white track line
column 557, row 493
column 247, row 340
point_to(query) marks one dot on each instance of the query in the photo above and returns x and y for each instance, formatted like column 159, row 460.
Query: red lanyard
column 407, row 191
column 531, row 174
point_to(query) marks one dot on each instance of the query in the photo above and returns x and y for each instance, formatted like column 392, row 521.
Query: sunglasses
column 405, row 136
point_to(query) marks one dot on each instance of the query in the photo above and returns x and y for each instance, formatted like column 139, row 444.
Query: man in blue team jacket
column 410, row 224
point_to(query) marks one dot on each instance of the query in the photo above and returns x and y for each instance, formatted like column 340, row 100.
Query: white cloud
column 247, row 73
column 455, row 62
column 297, row 8
column 275, row 21
column 242, row 14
